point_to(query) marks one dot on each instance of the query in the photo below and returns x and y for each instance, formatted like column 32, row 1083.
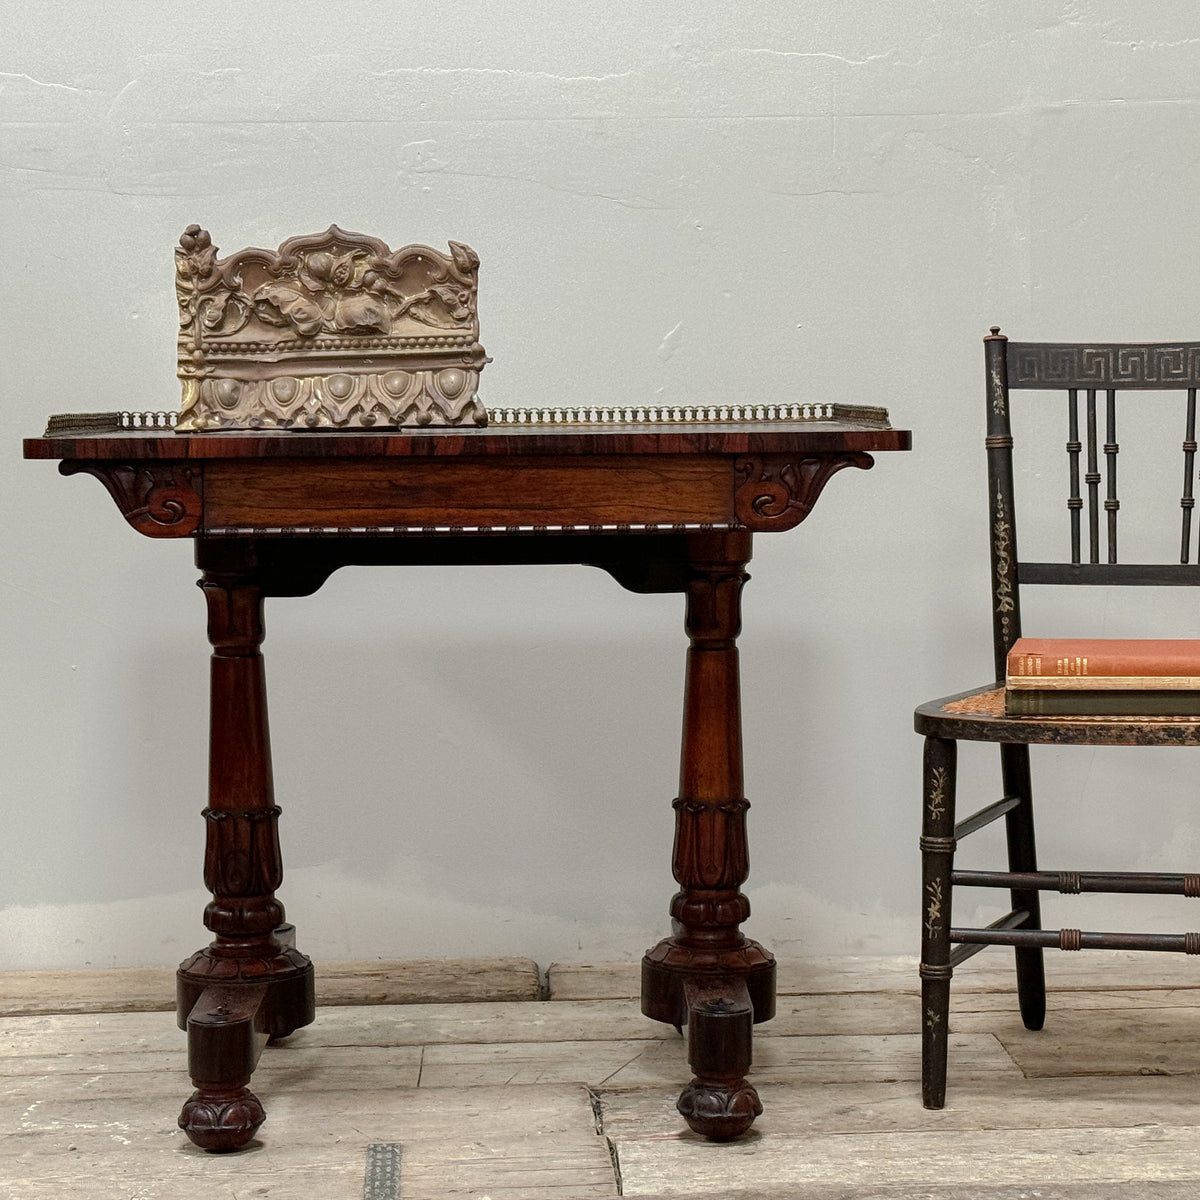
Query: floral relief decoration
column 263, row 326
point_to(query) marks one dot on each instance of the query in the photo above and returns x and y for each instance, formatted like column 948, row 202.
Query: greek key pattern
column 1068, row 365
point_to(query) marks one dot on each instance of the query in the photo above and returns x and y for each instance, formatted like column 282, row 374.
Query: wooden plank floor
column 574, row 1098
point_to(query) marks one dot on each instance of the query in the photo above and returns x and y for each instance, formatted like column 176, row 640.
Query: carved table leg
column 251, row 983
column 709, row 975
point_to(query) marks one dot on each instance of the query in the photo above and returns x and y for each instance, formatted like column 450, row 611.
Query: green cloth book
column 1102, row 702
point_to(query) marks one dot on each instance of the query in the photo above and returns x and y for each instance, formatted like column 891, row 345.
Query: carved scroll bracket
column 159, row 499
column 777, row 491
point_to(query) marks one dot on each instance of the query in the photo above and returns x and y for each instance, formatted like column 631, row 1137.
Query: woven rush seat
column 979, row 716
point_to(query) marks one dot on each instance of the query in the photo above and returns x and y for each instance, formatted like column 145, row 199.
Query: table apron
column 604, row 491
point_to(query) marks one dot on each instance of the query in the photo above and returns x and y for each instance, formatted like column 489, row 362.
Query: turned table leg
column 250, row 984
column 708, row 974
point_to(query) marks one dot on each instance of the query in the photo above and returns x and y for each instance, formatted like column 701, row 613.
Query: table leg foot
column 228, row 1022
column 227, row 1028
column 221, row 1119
column 717, row 1113
column 720, row 1009
column 719, row 1103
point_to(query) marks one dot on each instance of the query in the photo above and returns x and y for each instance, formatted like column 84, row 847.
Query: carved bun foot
column 719, row 1103
column 717, row 1112
column 222, row 1120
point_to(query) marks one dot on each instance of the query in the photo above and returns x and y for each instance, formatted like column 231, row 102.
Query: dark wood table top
column 843, row 429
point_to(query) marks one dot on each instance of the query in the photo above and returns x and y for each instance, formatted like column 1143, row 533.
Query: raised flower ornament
column 330, row 331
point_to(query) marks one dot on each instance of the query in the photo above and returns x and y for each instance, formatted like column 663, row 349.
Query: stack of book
column 1102, row 677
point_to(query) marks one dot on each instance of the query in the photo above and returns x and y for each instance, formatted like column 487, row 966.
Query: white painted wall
column 675, row 202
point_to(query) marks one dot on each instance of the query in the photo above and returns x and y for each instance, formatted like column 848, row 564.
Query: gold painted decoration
column 331, row 331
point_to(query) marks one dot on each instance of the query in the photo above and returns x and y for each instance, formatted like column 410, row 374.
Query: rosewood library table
column 663, row 500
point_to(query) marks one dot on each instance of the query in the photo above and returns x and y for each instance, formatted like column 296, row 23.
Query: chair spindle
column 1188, row 502
column 1111, row 450
column 1092, row 479
column 1074, row 446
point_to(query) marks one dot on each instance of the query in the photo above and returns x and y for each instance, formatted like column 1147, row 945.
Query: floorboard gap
column 615, row 1155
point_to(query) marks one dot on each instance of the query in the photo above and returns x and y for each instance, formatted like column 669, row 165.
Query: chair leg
column 1022, row 856
column 937, row 861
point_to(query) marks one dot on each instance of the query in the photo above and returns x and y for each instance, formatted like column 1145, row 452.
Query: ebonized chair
column 1091, row 376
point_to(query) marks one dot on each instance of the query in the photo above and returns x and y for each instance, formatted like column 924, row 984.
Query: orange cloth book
column 1104, row 664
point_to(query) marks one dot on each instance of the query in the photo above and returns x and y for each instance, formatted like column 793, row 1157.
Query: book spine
column 1100, row 703
column 1104, row 683
column 1047, row 666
